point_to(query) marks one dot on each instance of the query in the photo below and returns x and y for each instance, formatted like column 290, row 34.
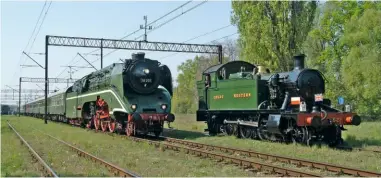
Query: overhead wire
column 157, row 27
column 66, row 67
column 207, row 33
column 162, row 24
column 39, row 28
column 34, row 29
column 205, row 42
column 173, row 18
column 148, row 24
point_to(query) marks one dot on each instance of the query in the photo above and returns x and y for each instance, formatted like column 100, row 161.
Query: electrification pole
column 145, row 28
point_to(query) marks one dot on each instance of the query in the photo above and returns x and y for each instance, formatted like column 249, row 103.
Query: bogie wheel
column 112, row 125
column 96, row 122
column 104, row 125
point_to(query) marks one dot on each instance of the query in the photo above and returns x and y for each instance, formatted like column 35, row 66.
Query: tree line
column 342, row 39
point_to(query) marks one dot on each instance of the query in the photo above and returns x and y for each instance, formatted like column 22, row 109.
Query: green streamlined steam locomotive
column 132, row 97
column 242, row 99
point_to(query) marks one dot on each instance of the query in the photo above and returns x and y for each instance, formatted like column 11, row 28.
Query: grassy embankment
column 140, row 158
column 367, row 135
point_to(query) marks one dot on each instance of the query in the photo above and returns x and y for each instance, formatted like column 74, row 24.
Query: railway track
column 117, row 171
column 202, row 150
column 247, row 164
column 299, row 162
column 46, row 170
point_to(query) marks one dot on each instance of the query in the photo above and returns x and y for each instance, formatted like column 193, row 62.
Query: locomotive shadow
column 182, row 134
column 355, row 142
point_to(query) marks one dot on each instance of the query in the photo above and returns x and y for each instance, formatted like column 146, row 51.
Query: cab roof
column 215, row 68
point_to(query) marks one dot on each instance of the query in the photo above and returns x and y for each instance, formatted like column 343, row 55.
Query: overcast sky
column 99, row 20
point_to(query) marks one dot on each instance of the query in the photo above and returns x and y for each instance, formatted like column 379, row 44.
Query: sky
column 99, row 19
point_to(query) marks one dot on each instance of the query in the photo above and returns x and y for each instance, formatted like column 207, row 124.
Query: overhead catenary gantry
column 121, row 44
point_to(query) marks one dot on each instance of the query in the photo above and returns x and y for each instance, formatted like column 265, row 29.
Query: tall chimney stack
column 299, row 62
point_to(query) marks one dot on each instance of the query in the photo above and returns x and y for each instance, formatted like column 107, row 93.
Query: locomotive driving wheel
column 112, row 125
column 96, row 122
column 130, row 130
column 245, row 131
column 301, row 135
column 104, row 124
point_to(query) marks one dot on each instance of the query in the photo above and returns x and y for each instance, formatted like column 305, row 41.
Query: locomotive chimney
column 137, row 56
column 299, row 62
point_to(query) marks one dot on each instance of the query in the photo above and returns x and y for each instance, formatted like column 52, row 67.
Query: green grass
column 61, row 159
column 367, row 135
column 16, row 161
column 140, row 158
column 187, row 122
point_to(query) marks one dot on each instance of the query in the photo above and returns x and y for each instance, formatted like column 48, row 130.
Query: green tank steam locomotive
column 132, row 97
column 242, row 99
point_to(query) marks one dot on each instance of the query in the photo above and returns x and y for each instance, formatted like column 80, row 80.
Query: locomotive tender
column 132, row 97
column 239, row 98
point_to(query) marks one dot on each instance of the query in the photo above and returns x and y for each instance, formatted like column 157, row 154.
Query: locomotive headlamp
column 133, row 106
column 146, row 71
column 163, row 106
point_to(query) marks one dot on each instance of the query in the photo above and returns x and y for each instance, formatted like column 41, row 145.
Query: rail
column 48, row 171
column 117, row 171
column 300, row 162
column 242, row 162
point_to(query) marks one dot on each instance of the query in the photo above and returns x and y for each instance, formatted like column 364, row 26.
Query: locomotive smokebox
column 137, row 56
column 299, row 62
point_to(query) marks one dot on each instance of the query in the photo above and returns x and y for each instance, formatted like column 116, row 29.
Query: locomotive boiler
column 240, row 98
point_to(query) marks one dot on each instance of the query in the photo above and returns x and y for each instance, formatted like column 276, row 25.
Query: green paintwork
column 108, row 84
column 249, row 89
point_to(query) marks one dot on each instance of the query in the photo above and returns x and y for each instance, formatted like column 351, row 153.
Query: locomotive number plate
column 146, row 80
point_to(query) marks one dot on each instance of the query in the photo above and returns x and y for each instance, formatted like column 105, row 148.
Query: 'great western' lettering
column 242, row 95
